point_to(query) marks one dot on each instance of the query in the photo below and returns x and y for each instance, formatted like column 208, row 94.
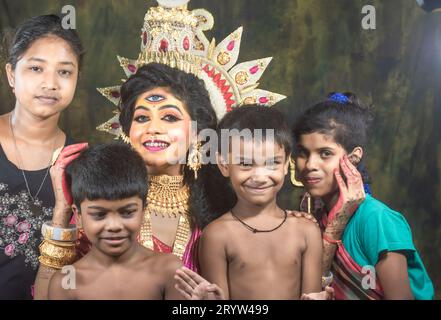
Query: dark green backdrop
column 318, row 46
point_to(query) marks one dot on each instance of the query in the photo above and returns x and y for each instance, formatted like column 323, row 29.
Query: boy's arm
column 56, row 291
column 171, row 293
column 42, row 280
column 393, row 276
column 212, row 257
column 311, row 259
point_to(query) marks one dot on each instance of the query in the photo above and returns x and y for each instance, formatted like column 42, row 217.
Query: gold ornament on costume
column 167, row 196
column 173, row 35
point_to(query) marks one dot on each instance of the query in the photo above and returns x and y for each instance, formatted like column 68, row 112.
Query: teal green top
column 374, row 229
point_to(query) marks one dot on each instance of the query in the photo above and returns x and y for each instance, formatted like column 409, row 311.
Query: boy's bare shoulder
column 298, row 220
column 56, row 290
column 220, row 227
column 163, row 263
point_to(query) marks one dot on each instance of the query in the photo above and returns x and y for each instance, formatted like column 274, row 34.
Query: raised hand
column 351, row 195
column 328, row 294
column 193, row 287
column 63, row 198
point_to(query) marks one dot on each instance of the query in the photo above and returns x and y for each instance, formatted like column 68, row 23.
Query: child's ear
column 286, row 166
column 78, row 217
column 222, row 165
column 356, row 155
column 10, row 75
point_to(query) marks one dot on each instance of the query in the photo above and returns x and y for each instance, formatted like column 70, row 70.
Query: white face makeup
column 160, row 130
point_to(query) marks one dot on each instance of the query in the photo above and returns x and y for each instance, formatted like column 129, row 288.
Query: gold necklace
column 167, row 196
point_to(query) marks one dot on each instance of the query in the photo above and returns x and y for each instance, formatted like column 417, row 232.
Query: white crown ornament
column 174, row 35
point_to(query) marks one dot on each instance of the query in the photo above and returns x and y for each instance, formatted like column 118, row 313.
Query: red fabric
column 160, row 246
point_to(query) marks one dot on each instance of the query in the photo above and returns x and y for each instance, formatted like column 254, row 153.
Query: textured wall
column 318, row 46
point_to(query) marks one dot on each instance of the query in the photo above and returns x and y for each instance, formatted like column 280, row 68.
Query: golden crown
column 174, row 35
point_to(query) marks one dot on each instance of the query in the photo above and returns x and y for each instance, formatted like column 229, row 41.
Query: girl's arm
column 391, row 270
column 351, row 195
column 62, row 211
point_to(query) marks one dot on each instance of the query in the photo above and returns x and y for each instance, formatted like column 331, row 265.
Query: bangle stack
column 58, row 247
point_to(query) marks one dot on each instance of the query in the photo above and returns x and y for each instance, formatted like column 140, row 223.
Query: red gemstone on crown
column 163, row 45
column 115, row 125
column 263, row 100
column 131, row 68
column 144, row 38
column 230, row 46
column 254, row 69
column 186, row 44
column 115, row 94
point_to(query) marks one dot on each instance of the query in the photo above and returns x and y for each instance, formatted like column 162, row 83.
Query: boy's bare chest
column 124, row 286
column 276, row 250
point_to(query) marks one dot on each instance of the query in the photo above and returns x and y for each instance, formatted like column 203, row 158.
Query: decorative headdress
column 174, row 35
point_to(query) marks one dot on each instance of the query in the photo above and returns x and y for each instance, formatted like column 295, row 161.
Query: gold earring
column 194, row 161
column 292, row 170
column 308, row 208
column 124, row 137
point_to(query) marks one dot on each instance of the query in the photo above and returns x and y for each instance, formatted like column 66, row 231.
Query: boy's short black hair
column 108, row 171
column 254, row 117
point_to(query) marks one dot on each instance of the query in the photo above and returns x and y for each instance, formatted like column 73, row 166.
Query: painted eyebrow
column 160, row 108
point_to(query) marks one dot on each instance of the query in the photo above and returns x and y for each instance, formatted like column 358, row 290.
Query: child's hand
column 301, row 214
column 63, row 198
column 328, row 294
column 193, row 287
column 351, row 195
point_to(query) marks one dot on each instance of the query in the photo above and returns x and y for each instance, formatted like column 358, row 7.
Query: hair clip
column 339, row 98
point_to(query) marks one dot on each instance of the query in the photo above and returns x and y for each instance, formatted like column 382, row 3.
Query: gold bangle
column 55, row 256
column 51, row 263
column 67, row 244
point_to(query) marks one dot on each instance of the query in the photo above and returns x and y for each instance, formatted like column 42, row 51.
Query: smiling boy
column 109, row 188
column 257, row 250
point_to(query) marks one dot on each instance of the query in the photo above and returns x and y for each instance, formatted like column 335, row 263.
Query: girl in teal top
column 376, row 257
